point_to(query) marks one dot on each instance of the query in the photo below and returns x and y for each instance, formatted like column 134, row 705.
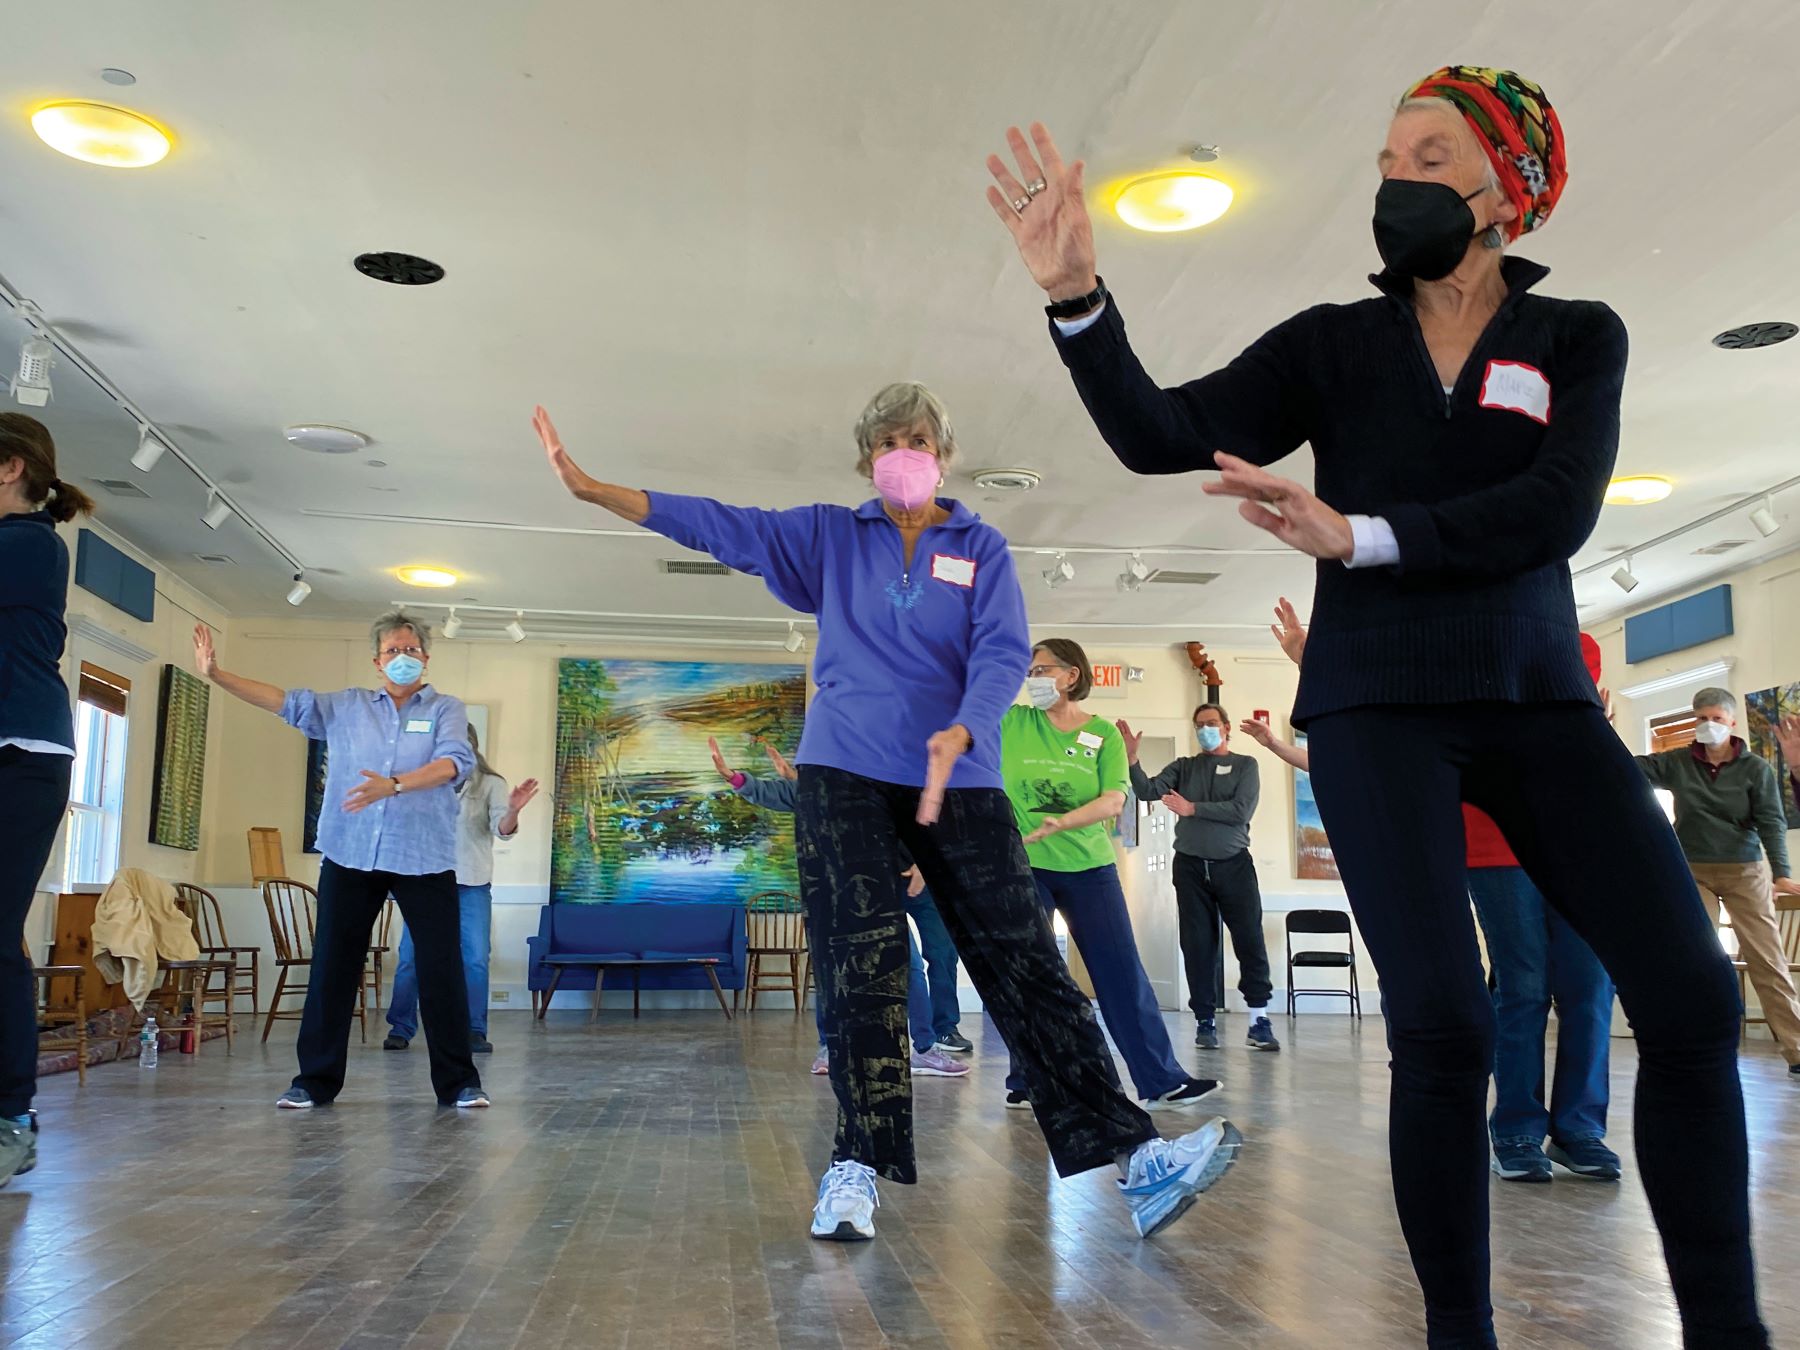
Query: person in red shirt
column 1537, row 959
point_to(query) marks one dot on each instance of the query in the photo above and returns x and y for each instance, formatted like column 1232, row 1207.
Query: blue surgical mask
column 1211, row 738
column 1042, row 691
column 403, row 669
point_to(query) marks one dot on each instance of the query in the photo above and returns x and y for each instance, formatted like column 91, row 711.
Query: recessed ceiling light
column 1163, row 203
column 399, row 269
column 325, row 440
column 1638, row 490
column 1007, row 480
column 427, row 576
column 113, row 75
column 96, row 133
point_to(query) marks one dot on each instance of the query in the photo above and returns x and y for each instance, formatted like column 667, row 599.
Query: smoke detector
column 1007, row 480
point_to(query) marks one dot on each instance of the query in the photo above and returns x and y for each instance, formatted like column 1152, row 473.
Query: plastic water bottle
column 147, row 1045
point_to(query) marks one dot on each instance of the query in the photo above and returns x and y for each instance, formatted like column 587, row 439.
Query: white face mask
column 1042, row 691
column 1712, row 733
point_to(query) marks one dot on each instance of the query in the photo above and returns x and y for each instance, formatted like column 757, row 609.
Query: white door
column 1150, row 889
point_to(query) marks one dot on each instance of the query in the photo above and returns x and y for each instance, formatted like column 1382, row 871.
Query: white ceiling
column 702, row 234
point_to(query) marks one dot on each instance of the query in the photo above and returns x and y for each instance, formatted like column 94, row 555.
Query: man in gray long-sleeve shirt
column 1214, row 794
column 1728, row 815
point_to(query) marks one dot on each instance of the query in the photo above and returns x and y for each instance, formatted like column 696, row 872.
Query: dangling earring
column 1492, row 238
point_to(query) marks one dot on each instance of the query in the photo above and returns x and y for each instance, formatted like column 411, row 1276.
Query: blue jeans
column 476, row 915
column 918, row 1000
column 1092, row 904
column 1538, row 958
column 940, row 962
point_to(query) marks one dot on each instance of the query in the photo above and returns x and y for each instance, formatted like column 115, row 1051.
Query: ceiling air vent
column 1723, row 546
column 399, row 269
column 120, row 487
column 683, row 567
column 1164, row 577
column 216, row 559
column 1755, row 335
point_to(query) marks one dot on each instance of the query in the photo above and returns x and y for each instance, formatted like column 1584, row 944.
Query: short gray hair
column 897, row 407
column 1716, row 698
column 392, row 622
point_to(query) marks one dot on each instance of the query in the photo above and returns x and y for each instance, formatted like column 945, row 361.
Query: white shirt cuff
column 1375, row 545
column 1070, row 327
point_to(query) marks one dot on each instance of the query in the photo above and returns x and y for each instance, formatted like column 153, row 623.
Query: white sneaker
column 936, row 1064
column 1165, row 1175
column 821, row 1065
column 847, row 1202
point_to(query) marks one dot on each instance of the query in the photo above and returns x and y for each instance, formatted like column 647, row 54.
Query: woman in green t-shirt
column 1066, row 776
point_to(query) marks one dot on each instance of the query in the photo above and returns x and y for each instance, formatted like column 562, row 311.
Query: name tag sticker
column 1222, row 770
column 956, row 571
column 1091, row 741
column 419, row 724
column 1513, row 386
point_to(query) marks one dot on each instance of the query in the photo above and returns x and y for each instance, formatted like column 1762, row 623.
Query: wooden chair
column 202, row 906
column 1787, row 919
column 179, row 1000
column 384, row 943
column 777, row 932
column 292, row 905
column 267, row 862
column 50, row 1017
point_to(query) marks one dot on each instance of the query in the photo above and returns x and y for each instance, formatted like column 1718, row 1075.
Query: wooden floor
column 648, row 1184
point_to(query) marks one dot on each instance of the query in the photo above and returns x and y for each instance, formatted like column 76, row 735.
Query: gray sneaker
column 936, row 1064
column 472, row 1099
column 18, row 1149
column 295, row 1099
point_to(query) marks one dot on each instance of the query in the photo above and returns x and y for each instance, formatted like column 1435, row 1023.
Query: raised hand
column 375, row 787
column 1177, row 803
column 718, row 758
column 520, row 797
column 779, row 760
column 1606, row 703
column 1300, row 520
column 205, row 660
column 1044, row 212
column 561, row 464
column 1288, row 630
column 1787, row 736
column 1260, row 732
column 941, row 753
column 1131, row 739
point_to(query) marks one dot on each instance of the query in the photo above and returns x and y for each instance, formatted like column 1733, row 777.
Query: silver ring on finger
column 1034, row 187
column 1020, row 203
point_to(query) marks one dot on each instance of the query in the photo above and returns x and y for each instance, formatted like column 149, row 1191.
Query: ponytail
column 64, row 502
column 28, row 440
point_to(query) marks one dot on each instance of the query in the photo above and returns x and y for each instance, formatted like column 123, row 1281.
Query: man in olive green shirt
column 1728, row 815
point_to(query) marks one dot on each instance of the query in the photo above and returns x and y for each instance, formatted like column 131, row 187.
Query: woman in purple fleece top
column 922, row 646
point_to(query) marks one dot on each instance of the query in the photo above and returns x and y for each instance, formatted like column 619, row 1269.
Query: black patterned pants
column 849, row 830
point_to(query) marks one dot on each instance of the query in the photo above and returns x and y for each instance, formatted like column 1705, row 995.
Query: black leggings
column 1581, row 818
column 34, row 789
column 849, row 830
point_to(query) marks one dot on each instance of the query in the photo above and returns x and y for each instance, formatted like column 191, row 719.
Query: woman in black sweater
column 37, row 742
column 1464, row 431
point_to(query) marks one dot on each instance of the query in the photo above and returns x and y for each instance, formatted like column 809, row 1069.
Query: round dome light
column 326, row 440
column 1163, row 203
column 1006, row 480
column 97, row 133
column 1640, row 490
column 427, row 576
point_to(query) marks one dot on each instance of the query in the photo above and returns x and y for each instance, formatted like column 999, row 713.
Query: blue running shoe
column 1165, row 1175
column 1586, row 1158
column 1521, row 1161
column 847, row 1203
column 1261, row 1036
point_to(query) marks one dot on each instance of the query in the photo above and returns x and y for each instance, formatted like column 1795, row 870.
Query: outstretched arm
column 254, row 692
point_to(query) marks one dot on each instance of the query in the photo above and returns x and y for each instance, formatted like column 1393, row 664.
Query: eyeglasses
column 388, row 653
column 1042, row 672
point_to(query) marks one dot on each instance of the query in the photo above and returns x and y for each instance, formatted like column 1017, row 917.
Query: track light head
column 31, row 386
column 1623, row 578
column 1060, row 573
column 515, row 628
column 794, row 640
column 452, row 625
column 1136, row 573
column 149, row 452
column 1763, row 517
column 300, row 590
column 218, row 511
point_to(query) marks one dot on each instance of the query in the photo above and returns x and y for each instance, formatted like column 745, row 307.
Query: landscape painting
column 180, row 775
column 1763, row 711
column 1313, row 859
column 640, row 812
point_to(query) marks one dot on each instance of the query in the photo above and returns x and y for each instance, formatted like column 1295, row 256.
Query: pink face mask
column 907, row 478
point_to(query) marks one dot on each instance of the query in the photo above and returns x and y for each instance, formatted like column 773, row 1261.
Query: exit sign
column 1109, row 679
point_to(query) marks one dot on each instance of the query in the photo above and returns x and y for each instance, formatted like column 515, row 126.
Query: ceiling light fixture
column 794, row 640
column 1164, row 203
column 1060, row 572
column 1136, row 573
column 434, row 577
column 1007, row 480
column 325, row 440
column 149, row 452
column 31, row 386
column 516, row 629
column 1637, row 490
column 1623, row 578
column 300, row 589
column 113, row 75
column 97, row 133
column 218, row 511
column 452, row 625
column 1763, row 517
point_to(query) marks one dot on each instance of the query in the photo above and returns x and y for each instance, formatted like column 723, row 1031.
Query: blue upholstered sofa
column 643, row 930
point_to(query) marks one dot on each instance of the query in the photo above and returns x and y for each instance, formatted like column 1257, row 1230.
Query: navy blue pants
column 1390, row 784
column 1092, row 904
column 939, row 950
column 34, row 789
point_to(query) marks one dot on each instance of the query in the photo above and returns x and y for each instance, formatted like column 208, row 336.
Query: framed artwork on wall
column 180, row 775
column 1313, row 858
column 1763, row 712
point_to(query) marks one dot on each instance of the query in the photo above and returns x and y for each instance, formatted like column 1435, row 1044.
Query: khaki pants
column 1747, row 892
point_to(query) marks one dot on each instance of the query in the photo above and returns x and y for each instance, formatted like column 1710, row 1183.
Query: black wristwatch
column 1081, row 304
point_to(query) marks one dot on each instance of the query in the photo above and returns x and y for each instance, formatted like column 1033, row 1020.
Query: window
column 97, row 788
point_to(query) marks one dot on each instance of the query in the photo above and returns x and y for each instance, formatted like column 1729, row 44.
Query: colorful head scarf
column 1518, row 127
